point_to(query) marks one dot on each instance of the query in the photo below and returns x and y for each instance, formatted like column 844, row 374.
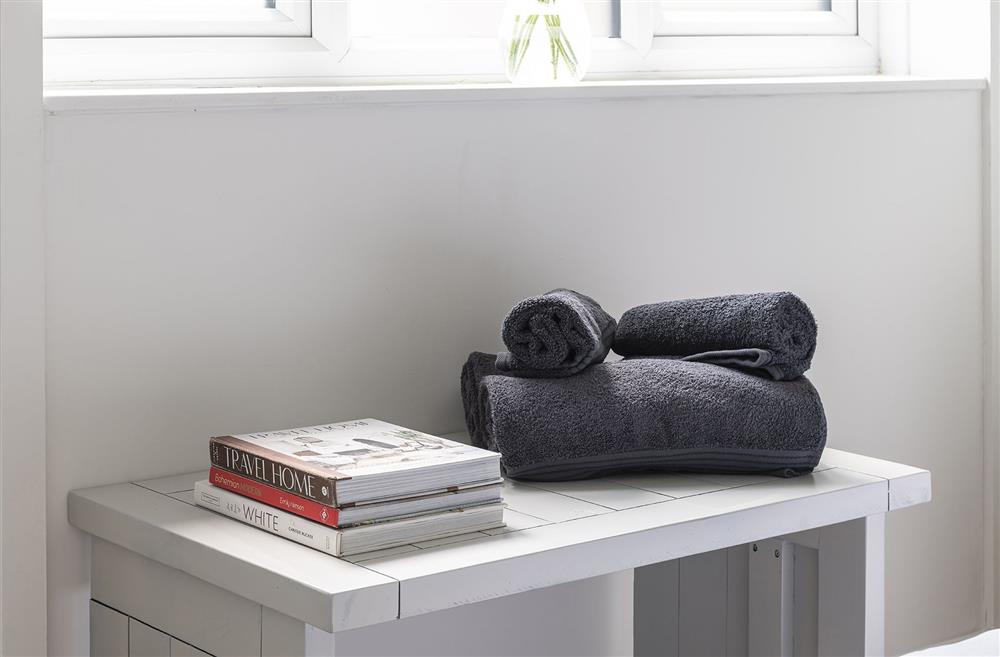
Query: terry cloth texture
column 477, row 366
column 651, row 414
column 771, row 332
column 555, row 334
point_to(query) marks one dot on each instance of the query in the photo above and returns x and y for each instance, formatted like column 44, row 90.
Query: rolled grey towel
column 555, row 334
column 477, row 366
column 652, row 414
column 772, row 332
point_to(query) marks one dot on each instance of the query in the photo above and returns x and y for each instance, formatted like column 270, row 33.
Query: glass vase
column 545, row 41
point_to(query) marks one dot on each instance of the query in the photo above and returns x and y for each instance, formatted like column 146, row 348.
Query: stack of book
column 353, row 487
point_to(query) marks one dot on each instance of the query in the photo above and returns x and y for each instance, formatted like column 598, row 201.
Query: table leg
column 852, row 588
column 693, row 607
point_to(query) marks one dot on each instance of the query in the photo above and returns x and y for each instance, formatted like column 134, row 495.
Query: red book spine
column 321, row 513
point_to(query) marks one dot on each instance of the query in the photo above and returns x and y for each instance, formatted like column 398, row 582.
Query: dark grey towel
column 652, row 413
column 772, row 332
column 555, row 334
column 477, row 366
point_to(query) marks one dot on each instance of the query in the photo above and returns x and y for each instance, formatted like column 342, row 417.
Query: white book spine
column 268, row 518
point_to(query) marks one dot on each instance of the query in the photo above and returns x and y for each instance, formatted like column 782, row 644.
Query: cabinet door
column 108, row 631
column 194, row 611
column 180, row 649
column 145, row 641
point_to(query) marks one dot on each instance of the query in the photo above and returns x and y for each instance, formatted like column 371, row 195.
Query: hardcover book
column 345, row 542
column 346, row 463
column 359, row 513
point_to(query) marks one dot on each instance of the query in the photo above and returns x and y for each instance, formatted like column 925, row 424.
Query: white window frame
column 331, row 57
column 110, row 18
column 842, row 41
column 841, row 19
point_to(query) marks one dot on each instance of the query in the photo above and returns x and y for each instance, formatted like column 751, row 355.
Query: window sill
column 278, row 61
column 91, row 100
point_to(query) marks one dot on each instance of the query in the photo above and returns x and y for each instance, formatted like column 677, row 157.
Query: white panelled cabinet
column 113, row 634
column 108, row 631
column 145, row 641
column 723, row 565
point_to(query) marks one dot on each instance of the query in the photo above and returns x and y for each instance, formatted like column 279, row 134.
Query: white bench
column 986, row 644
column 793, row 566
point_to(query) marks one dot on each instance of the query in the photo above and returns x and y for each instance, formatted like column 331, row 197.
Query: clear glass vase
column 545, row 41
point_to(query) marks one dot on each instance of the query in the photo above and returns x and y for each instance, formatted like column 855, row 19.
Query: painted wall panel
column 230, row 271
column 22, row 332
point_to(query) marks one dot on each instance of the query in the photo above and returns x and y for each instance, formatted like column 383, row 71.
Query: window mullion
column 299, row 12
column 639, row 20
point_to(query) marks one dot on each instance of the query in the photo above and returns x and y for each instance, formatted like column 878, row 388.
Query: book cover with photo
column 348, row 463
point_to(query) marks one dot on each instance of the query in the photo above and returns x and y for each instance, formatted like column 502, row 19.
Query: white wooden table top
column 556, row 533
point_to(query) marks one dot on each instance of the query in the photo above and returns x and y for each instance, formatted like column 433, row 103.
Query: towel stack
column 706, row 385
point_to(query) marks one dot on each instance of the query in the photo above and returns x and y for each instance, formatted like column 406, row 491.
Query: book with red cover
column 321, row 513
column 332, row 516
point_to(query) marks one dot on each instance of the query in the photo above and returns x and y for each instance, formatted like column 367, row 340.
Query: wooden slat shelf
column 556, row 533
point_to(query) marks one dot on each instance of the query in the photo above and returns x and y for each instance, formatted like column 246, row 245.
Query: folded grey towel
column 555, row 334
column 772, row 332
column 644, row 414
column 477, row 366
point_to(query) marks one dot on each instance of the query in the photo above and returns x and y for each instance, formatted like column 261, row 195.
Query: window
column 754, row 36
column 380, row 41
column 756, row 17
column 452, row 18
column 174, row 18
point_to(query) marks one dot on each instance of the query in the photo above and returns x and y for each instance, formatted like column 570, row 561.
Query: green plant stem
column 559, row 45
column 568, row 53
column 554, row 54
column 515, row 42
column 521, row 42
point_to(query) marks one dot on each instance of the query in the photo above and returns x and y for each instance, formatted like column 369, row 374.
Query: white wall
column 224, row 271
column 949, row 37
column 959, row 37
column 22, row 331
column 992, row 436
